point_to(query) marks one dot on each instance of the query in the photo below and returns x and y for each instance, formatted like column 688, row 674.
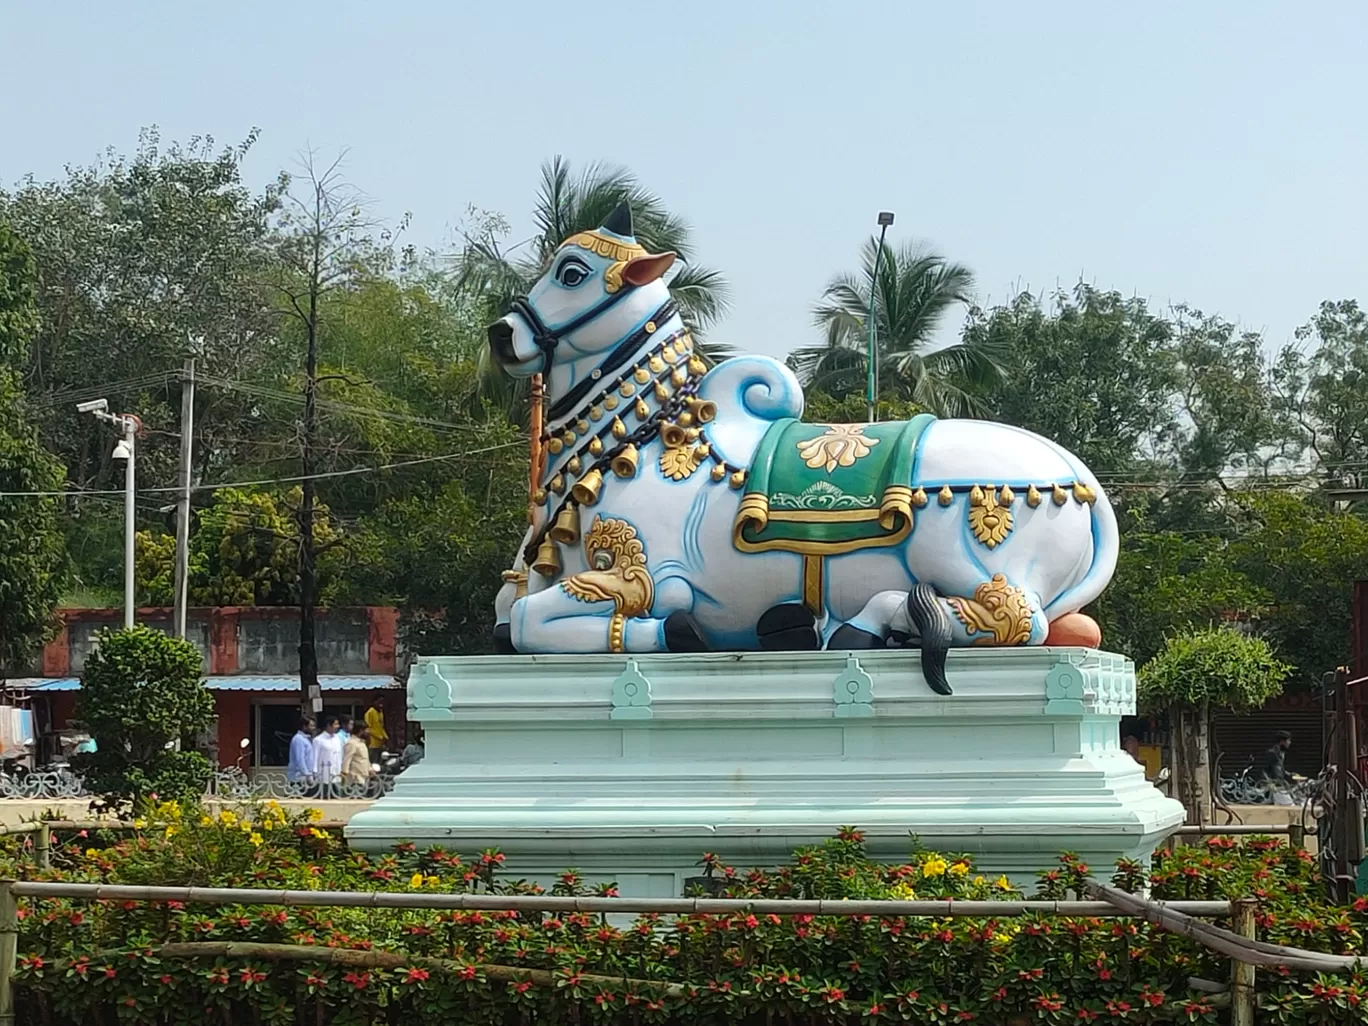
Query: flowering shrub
column 83, row 961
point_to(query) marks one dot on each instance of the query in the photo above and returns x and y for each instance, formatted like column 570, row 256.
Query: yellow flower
column 92, row 853
column 139, row 823
column 433, row 881
column 272, row 806
column 416, row 880
column 1002, row 938
column 170, row 809
column 322, row 835
column 172, row 830
column 977, row 881
column 959, row 869
column 314, row 815
column 206, row 821
column 1002, row 883
column 256, row 839
column 244, row 826
column 227, row 817
column 903, row 892
column 934, row 866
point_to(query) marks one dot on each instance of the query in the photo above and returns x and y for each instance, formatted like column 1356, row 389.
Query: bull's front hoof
column 503, row 640
column 682, row 633
column 788, row 628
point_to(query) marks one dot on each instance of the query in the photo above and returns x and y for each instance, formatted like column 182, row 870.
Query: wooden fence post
column 1242, row 997
column 9, row 950
column 42, row 846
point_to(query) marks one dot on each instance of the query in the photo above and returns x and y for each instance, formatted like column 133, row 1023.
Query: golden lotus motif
column 997, row 609
column 841, row 446
column 990, row 521
column 679, row 462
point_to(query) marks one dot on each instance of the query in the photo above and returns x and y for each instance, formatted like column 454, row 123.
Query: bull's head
column 599, row 287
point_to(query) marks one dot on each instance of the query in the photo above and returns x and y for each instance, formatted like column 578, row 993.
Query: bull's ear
column 643, row 270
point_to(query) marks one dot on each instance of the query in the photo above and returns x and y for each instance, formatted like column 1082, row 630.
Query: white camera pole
column 128, row 424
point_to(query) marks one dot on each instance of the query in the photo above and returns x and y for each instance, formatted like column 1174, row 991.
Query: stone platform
column 630, row 767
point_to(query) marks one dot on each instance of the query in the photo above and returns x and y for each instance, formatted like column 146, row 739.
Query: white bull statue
column 680, row 508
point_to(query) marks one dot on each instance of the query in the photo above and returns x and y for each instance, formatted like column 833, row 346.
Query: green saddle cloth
column 824, row 489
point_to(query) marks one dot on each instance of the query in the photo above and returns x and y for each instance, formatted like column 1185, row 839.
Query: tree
column 325, row 246
column 916, row 288
column 141, row 697
column 1090, row 370
column 33, row 559
column 821, row 408
column 244, row 551
column 1198, row 670
column 567, row 203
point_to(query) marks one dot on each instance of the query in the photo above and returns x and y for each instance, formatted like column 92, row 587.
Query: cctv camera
column 93, row 406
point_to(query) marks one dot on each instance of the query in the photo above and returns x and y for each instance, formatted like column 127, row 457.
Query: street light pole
column 885, row 219
column 124, row 450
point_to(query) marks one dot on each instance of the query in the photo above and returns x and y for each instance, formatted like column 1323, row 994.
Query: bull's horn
column 619, row 222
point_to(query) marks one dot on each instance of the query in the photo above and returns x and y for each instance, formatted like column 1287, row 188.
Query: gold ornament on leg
column 990, row 522
column 998, row 611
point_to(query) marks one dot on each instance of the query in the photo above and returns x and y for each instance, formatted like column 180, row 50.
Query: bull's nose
column 501, row 341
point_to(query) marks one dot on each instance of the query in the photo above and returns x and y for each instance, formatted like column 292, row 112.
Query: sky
column 1212, row 153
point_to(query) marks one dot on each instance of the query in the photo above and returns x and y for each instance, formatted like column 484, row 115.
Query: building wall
column 256, row 639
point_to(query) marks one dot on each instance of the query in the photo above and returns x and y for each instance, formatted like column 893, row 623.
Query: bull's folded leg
column 788, row 628
column 848, row 636
column 503, row 639
column 552, row 621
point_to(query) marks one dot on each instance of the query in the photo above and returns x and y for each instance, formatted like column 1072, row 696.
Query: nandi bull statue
column 677, row 508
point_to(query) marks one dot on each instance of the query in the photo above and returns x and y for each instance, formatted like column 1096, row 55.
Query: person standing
column 327, row 752
column 1273, row 769
column 356, row 765
column 375, row 724
column 300, row 770
column 345, row 730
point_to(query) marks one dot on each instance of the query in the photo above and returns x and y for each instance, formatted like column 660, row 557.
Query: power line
column 272, row 481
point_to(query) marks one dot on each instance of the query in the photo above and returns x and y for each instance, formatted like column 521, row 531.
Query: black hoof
column 682, row 633
column 788, row 628
column 503, row 640
column 848, row 636
column 933, row 625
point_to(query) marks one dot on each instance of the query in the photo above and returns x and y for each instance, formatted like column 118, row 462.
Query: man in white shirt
column 327, row 750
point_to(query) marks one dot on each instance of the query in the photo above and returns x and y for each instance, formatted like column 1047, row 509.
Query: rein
column 622, row 352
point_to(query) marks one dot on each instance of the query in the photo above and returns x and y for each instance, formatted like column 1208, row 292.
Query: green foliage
column 823, row 408
column 18, row 305
column 694, row 970
column 33, row 561
column 1213, row 666
column 141, row 695
column 915, row 290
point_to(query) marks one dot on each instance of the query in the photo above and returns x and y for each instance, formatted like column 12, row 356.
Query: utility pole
column 183, row 501
column 311, row 694
column 125, row 450
column 885, row 219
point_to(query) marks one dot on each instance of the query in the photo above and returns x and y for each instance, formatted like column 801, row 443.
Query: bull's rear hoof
column 682, row 633
column 503, row 639
column 788, row 628
column 848, row 636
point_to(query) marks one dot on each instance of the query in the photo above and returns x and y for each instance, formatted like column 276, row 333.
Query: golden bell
column 619, row 429
column 642, row 410
column 678, row 377
column 555, row 445
column 719, row 472
column 557, row 484
column 704, row 410
column 573, row 466
column 547, row 562
column 738, row 478
column 661, row 393
column 697, row 367
column 586, row 489
column 595, row 445
column 624, row 464
column 566, row 528
column 673, row 435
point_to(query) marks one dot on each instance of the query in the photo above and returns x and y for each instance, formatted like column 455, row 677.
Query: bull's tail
column 928, row 616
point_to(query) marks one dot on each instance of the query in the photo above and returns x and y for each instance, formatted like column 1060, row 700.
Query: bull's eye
column 572, row 272
column 603, row 560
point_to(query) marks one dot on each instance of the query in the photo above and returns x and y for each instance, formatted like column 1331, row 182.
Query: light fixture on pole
column 885, row 219
column 124, row 449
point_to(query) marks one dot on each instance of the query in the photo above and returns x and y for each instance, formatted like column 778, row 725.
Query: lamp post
column 123, row 450
column 885, row 219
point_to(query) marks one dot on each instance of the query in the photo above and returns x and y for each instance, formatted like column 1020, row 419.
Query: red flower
column 833, row 994
column 358, row 980
column 523, row 986
column 110, row 972
column 249, row 975
column 874, row 1010
column 164, row 979
column 468, row 972
column 416, row 976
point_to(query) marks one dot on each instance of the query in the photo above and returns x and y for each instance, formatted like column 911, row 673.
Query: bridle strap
column 620, row 355
column 547, row 338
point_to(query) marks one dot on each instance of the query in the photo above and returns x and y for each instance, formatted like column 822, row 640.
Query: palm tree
column 566, row 204
column 915, row 289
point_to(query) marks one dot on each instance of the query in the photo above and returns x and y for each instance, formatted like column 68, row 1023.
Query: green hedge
column 98, row 963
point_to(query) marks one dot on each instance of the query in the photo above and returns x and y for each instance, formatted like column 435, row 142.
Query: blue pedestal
column 630, row 767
